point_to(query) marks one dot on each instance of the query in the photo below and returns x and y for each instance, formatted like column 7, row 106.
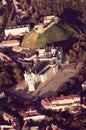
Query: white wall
column 48, row 74
column 30, row 78
column 16, row 31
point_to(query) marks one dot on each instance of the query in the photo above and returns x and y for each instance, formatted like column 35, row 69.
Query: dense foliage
column 77, row 53
column 10, row 75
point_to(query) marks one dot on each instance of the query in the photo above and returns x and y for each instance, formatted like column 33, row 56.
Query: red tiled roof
column 47, row 102
column 67, row 97
column 17, row 48
column 32, row 112
column 10, row 41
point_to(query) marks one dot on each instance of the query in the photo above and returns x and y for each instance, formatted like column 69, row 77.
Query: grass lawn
column 41, row 41
column 29, row 40
column 55, row 33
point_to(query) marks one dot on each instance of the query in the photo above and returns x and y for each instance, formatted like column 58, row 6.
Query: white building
column 17, row 30
column 47, row 23
column 49, row 19
column 9, row 43
column 48, row 73
column 32, row 114
column 40, row 74
column 51, row 53
column 47, row 66
column 30, row 78
column 6, row 127
column 48, row 53
column 61, row 103
column 42, row 52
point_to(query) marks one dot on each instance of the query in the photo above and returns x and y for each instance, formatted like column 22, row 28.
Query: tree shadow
column 70, row 14
column 49, row 94
column 73, row 18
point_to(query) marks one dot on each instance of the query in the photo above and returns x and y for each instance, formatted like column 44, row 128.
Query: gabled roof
column 17, row 48
column 10, row 42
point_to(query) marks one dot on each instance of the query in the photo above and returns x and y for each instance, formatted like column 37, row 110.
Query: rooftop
column 44, row 71
column 64, row 97
column 21, row 26
column 10, row 42
column 39, row 67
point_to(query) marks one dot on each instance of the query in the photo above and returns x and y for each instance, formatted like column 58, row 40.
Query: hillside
column 55, row 33
column 30, row 40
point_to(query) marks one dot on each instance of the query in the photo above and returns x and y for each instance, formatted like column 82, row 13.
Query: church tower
column 30, row 78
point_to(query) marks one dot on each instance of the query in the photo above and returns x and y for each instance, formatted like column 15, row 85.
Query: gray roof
column 44, row 71
column 39, row 67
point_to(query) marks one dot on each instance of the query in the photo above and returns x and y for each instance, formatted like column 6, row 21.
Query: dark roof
column 39, row 67
column 44, row 71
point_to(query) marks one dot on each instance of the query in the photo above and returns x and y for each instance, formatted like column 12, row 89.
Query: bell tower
column 30, row 78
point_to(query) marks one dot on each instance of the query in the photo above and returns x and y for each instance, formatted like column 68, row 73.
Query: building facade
column 61, row 103
column 30, row 78
column 49, row 60
column 17, row 30
column 9, row 43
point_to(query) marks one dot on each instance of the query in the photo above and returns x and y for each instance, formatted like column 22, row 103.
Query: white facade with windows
column 61, row 103
column 18, row 30
column 30, row 78
column 47, row 66
column 9, row 43
column 51, row 18
column 48, row 73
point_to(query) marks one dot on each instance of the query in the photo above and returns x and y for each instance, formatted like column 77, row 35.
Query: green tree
column 1, row 20
column 83, row 44
column 73, row 56
column 5, row 78
column 79, row 77
column 17, row 74
column 68, row 58
column 76, row 47
column 72, row 81
column 77, row 124
column 80, row 56
column 84, row 56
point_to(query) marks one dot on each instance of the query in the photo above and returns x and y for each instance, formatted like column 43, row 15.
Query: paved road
column 52, row 85
column 48, row 88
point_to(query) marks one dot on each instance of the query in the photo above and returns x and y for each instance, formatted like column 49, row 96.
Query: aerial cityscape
column 42, row 64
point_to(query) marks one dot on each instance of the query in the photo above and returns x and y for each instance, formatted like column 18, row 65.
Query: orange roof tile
column 10, row 41
column 17, row 48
